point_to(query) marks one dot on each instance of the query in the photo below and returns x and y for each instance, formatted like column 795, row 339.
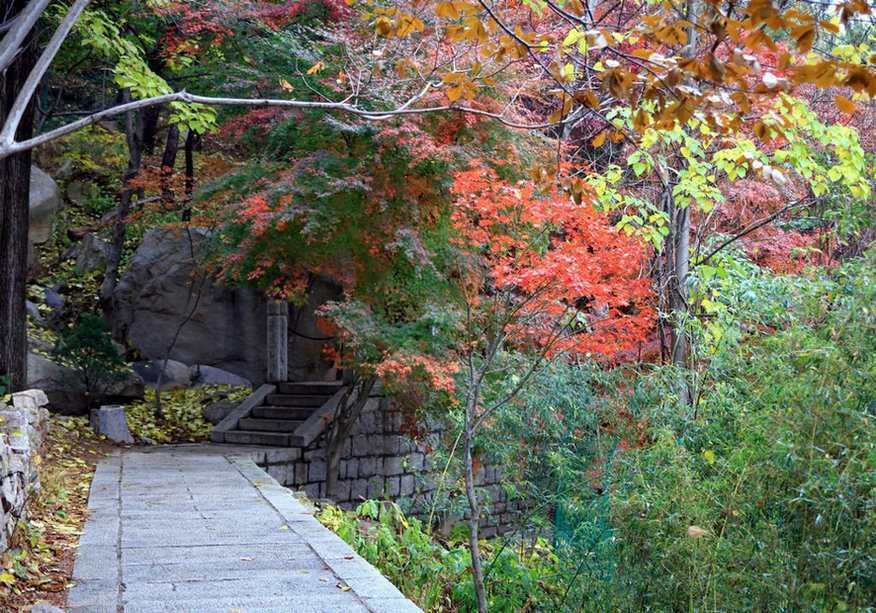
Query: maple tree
column 546, row 277
column 508, row 61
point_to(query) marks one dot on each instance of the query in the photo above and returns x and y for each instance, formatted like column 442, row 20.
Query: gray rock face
column 217, row 411
column 64, row 389
column 53, row 299
column 34, row 268
column 91, row 253
column 45, row 203
column 132, row 387
column 155, row 374
column 163, row 284
column 110, row 421
column 34, row 313
column 59, row 383
column 203, row 375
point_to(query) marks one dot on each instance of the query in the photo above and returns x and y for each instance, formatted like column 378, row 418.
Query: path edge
column 375, row 591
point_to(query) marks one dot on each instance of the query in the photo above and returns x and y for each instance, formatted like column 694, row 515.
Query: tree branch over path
column 10, row 147
column 12, row 40
column 18, row 31
column 31, row 14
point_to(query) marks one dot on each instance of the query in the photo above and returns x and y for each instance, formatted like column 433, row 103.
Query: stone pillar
column 278, row 341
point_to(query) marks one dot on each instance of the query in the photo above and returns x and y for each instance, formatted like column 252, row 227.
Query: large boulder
column 215, row 412
column 130, row 386
column 64, row 388
column 91, row 254
column 45, row 204
column 164, row 374
column 204, row 375
column 60, row 384
column 164, row 300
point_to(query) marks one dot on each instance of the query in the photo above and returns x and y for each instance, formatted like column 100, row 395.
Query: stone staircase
column 283, row 415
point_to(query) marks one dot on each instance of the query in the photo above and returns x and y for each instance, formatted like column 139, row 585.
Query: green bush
column 88, row 350
column 763, row 496
column 438, row 576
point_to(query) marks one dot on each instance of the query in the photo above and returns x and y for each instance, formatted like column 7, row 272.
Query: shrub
column 762, row 498
column 88, row 350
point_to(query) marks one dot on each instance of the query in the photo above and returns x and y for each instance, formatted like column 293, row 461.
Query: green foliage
column 88, row 350
column 94, row 150
column 438, row 577
column 5, row 385
column 181, row 419
column 761, row 498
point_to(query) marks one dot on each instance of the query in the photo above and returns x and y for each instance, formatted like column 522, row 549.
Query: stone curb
column 372, row 588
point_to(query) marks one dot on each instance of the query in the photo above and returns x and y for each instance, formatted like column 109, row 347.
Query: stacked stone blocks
column 381, row 461
column 22, row 426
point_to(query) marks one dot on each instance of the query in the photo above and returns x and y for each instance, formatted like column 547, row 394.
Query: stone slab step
column 323, row 388
column 269, row 425
column 296, row 400
column 266, row 412
column 248, row 437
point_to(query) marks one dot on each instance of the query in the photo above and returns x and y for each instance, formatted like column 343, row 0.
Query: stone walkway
column 195, row 529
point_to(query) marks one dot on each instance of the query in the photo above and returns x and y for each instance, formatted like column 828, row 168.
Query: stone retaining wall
column 380, row 461
column 21, row 431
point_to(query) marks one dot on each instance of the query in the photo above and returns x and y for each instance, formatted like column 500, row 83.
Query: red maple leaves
column 576, row 278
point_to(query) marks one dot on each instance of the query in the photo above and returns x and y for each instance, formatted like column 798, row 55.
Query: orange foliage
column 575, row 278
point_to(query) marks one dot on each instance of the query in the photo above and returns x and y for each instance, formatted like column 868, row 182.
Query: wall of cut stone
column 22, row 426
column 381, row 461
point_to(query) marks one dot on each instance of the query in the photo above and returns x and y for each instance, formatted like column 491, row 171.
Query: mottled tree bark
column 134, row 137
column 14, row 202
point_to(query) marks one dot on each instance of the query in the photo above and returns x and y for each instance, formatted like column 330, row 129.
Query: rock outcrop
column 64, row 389
column 165, row 301
column 92, row 253
column 45, row 204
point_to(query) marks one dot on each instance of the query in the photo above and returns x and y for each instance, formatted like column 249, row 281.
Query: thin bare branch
column 18, row 30
column 13, row 118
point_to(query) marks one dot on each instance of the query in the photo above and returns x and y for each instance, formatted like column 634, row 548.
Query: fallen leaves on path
column 39, row 566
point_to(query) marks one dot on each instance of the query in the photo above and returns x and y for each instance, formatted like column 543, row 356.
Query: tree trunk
column 338, row 431
column 150, row 127
column 134, row 136
column 477, row 571
column 168, row 161
column 191, row 138
column 678, row 295
column 14, row 217
column 680, row 265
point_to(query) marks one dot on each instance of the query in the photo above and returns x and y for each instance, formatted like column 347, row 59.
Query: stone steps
column 280, row 416
column 269, row 425
column 268, row 412
column 243, row 437
column 322, row 388
column 297, row 400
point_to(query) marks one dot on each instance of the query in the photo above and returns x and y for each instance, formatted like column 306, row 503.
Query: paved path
column 188, row 529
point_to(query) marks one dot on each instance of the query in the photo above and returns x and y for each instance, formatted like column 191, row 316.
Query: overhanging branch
column 12, row 147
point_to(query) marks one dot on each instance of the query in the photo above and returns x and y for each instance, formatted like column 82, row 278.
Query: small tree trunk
column 14, row 217
column 150, row 127
column 678, row 294
column 168, row 161
column 477, row 571
column 134, row 137
column 339, row 429
column 191, row 137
